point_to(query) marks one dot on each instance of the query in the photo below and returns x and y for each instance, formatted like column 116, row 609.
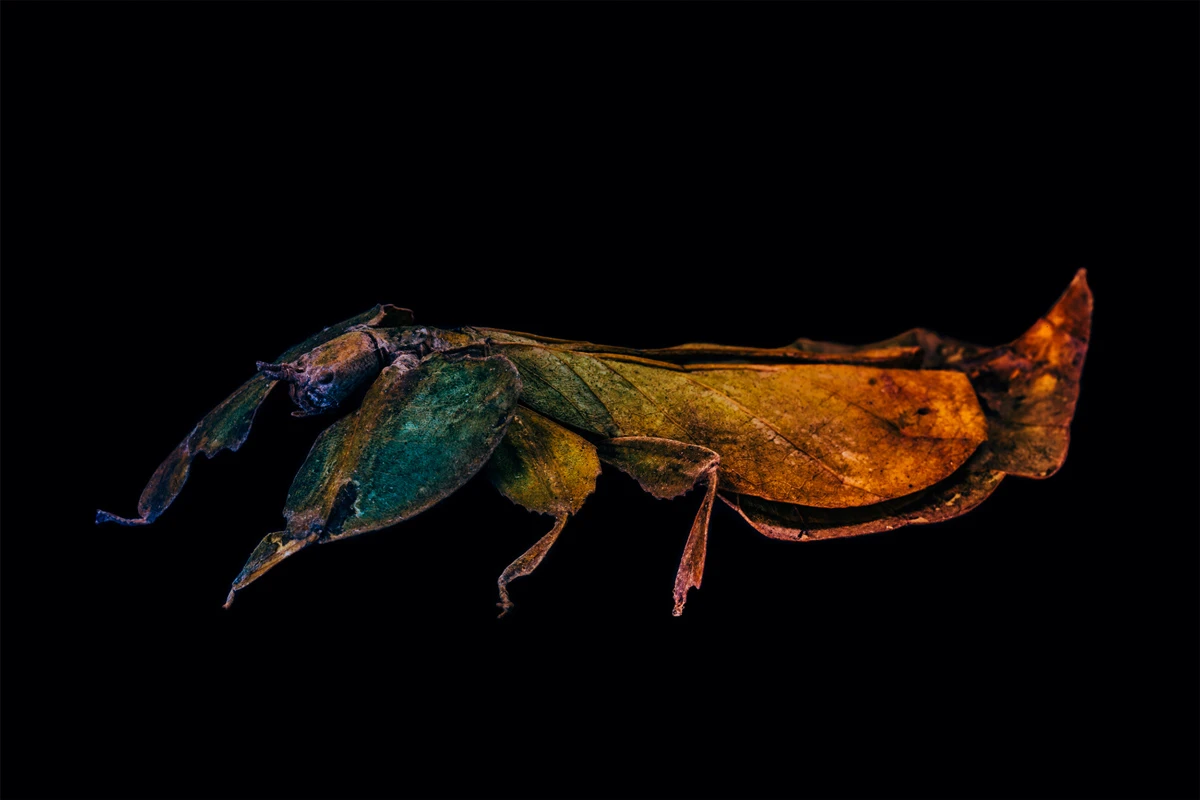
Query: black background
column 189, row 189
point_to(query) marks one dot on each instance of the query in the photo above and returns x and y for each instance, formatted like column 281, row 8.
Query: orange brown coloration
column 809, row 441
column 1028, row 390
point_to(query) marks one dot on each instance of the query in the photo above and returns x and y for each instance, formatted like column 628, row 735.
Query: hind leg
column 666, row 468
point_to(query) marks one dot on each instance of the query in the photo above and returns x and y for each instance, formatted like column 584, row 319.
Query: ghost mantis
column 808, row 441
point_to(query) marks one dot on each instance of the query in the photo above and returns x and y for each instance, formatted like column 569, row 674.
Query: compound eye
column 325, row 379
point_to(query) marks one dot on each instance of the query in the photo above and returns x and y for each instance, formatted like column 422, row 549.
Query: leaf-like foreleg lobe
column 227, row 426
column 274, row 547
column 420, row 434
column 545, row 468
column 224, row 428
column 667, row 468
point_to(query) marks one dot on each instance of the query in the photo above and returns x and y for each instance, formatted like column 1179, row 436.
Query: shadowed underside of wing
column 824, row 435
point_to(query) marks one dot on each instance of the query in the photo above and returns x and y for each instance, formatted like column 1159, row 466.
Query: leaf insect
column 808, row 441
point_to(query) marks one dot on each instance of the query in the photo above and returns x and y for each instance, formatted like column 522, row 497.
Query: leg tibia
column 666, row 468
column 527, row 562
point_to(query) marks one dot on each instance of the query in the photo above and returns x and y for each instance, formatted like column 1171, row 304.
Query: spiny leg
column 527, row 562
column 691, row 566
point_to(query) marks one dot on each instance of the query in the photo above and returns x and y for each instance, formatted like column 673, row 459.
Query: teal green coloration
column 320, row 467
column 811, row 440
column 228, row 425
column 419, row 436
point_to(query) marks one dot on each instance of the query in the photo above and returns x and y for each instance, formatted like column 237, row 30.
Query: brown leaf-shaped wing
column 1029, row 390
column 828, row 435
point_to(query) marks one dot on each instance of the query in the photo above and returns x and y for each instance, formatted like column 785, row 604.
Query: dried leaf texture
column 542, row 466
column 419, row 435
column 826, row 435
column 1028, row 390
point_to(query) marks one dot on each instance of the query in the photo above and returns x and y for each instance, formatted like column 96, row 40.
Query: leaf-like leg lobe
column 224, row 428
column 419, row 435
column 227, row 426
column 274, row 547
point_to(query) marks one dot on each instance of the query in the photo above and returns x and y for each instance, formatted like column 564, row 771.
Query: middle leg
column 545, row 468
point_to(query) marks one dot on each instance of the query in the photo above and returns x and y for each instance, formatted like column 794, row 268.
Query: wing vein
column 649, row 400
column 777, row 432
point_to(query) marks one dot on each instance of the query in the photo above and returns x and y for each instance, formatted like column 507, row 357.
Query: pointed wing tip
column 1073, row 310
column 1079, row 286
